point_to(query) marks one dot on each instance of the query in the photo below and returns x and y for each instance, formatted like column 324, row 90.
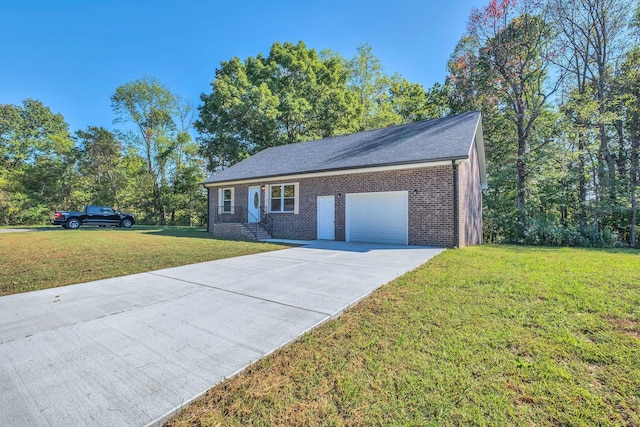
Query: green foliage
column 411, row 103
column 99, row 165
column 372, row 89
column 42, row 168
column 292, row 95
column 562, row 171
column 384, row 100
column 295, row 95
column 162, row 120
column 38, row 158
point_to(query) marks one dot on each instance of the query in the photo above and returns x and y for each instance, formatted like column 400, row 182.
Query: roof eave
column 336, row 171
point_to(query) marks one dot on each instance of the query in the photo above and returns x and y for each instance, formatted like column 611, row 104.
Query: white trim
column 266, row 199
column 332, row 173
column 296, row 197
column 221, row 200
column 482, row 162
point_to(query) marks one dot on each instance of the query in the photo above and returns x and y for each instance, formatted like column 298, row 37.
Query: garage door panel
column 377, row 217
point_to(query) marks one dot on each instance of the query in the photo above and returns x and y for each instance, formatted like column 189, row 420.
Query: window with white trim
column 282, row 198
column 227, row 200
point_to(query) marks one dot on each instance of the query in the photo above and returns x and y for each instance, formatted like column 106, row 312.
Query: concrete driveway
column 131, row 351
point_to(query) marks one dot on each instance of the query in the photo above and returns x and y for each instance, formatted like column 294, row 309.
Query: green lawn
column 491, row 335
column 45, row 259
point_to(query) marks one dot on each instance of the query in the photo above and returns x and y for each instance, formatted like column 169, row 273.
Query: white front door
column 254, row 204
column 326, row 218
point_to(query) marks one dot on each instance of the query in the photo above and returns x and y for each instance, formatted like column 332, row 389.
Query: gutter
column 208, row 206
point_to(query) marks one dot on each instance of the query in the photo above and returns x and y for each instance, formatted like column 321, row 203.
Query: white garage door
column 377, row 217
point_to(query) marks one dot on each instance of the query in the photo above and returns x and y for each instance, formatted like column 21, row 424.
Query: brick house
column 418, row 184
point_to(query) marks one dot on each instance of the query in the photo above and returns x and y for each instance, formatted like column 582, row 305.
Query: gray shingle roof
column 446, row 138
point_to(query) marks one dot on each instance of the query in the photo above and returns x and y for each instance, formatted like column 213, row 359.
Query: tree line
column 557, row 82
column 150, row 166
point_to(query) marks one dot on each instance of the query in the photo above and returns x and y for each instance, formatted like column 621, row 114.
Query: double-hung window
column 226, row 200
column 282, row 198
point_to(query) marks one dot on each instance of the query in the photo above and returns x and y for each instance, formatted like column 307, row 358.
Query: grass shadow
column 194, row 232
column 533, row 248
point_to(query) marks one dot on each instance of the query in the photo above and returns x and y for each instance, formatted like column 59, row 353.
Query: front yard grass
column 490, row 335
column 45, row 259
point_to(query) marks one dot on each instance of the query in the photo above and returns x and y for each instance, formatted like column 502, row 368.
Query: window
column 283, row 198
column 94, row 210
column 226, row 200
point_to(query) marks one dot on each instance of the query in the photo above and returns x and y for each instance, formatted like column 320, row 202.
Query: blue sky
column 72, row 54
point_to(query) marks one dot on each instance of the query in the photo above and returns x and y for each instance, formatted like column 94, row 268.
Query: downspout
column 455, row 205
column 208, row 206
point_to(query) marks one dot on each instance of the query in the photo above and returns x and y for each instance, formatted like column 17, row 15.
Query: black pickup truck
column 103, row 216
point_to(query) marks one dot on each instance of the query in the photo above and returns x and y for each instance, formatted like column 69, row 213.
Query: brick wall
column 231, row 231
column 469, row 202
column 430, row 209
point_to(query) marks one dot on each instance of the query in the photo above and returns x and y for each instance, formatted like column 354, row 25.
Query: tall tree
column 291, row 95
column 38, row 163
column 589, row 43
column 372, row 88
column 99, row 163
column 514, row 57
column 150, row 106
column 628, row 84
column 409, row 102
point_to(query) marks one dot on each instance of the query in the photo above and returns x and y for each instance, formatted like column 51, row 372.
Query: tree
column 289, row 96
column 409, row 102
column 38, row 163
column 373, row 88
column 99, row 163
column 628, row 85
column 150, row 106
column 514, row 56
column 591, row 34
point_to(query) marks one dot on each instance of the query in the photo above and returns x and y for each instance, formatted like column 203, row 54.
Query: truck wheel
column 73, row 223
column 126, row 223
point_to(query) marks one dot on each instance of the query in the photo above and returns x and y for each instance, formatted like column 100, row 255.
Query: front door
column 326, row 218
column 254, row 204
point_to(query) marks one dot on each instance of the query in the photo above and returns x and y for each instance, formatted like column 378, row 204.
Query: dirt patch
column 625, row 325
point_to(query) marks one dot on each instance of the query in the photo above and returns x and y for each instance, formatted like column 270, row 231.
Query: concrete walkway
column 130, row 351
